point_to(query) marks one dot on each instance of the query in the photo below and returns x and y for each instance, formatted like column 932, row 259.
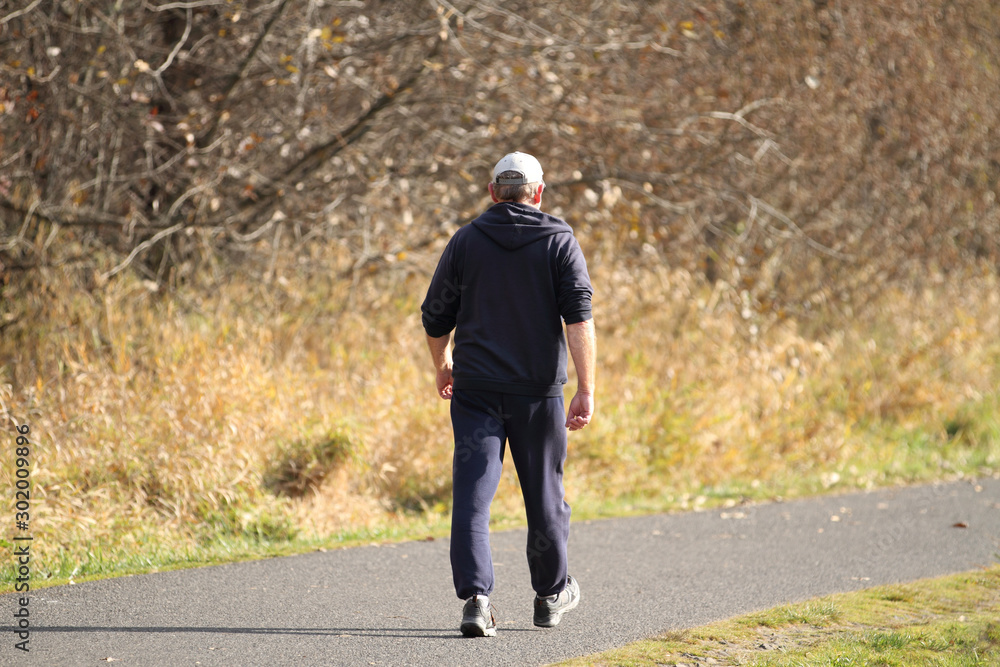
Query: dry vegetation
column 789, row 213
column 242, row 418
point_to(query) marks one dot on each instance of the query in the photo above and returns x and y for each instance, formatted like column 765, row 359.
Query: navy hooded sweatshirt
column 505, row 283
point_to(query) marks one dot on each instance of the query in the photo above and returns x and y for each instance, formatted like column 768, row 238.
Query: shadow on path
column 399, row 633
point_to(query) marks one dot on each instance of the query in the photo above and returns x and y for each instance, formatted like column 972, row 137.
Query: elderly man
column 505, row 284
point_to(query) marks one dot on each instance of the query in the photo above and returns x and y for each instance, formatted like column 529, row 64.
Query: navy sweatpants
column 534, row 428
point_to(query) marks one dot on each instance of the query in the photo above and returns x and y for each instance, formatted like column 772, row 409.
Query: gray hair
column 521, row 192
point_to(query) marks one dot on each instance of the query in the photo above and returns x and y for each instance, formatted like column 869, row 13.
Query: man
column 505, row 284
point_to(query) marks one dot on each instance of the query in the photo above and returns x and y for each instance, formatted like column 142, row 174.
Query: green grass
column 951, row 621
column 104, row 560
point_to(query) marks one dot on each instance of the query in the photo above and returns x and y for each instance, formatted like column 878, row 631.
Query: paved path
column 394, row 605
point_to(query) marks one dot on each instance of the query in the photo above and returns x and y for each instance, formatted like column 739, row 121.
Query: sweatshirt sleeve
column 439, row 311
column 575, row 290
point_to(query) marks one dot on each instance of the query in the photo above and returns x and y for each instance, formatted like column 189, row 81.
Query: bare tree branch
column 799, row 233
column 241, row 73
column 140, row 248
column 72, row 217
column 177, row 48
column 187, row 5
column 320, row 154
column 20, row 12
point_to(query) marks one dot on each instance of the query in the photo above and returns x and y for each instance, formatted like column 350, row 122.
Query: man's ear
column 538, row 194
column 493, row 196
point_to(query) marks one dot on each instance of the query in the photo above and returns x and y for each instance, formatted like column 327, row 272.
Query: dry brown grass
column 708, row 393
column 303, row 407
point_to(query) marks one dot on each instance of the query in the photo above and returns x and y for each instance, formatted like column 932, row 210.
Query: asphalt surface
column 395, row 605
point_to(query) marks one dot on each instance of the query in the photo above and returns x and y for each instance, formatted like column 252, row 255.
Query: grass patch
column 948, row 621
column 301, row 466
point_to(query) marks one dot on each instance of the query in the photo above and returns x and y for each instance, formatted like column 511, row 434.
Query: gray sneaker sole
column 476, row 630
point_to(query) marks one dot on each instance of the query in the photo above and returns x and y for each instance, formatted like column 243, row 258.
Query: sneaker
column 549, row 610
column 478, row 618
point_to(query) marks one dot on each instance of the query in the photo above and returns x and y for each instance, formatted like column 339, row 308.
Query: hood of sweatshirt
column 513, row 226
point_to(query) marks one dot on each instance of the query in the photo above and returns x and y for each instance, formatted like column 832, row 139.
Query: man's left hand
column 444, row 383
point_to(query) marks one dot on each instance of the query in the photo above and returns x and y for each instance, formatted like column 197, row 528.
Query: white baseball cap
column 522, row 163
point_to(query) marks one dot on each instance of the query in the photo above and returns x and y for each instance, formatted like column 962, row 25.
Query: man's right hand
column 581, row 409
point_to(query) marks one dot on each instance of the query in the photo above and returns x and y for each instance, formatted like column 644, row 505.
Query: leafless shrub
column 800, row 154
